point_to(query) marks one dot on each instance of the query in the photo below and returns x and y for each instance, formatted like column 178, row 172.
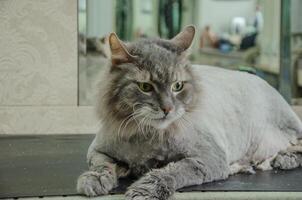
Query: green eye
column 176, row 87
column 145, row 87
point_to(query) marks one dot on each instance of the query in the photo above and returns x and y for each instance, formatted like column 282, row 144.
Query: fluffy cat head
column 149, row 86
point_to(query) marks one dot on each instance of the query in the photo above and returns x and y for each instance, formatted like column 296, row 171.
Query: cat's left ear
column 185, row 38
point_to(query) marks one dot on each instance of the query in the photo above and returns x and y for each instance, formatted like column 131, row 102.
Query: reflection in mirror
column 239, row 35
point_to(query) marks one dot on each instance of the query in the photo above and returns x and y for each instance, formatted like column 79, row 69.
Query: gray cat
column 174, row 124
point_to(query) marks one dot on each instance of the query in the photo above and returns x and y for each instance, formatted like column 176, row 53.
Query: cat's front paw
column 150, row 187
column 93, row 183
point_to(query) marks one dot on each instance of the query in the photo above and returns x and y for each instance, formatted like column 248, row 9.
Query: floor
column 200, row 196
column 43, row 166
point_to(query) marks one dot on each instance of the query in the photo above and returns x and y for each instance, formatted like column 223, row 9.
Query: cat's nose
column 166, row 109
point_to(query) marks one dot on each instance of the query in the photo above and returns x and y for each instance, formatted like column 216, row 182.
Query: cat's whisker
column 185, row 117
column 128, row 121
column 187, row 120
column 186, row 125
column 140, row 124
column 181, row 123
column 150, row 128
column 184, row 122
column 125, row 120
column 139, row 114
column 161, row 136
column 146, row 124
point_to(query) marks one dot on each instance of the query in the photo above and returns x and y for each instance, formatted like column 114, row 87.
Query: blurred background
column 262, row 37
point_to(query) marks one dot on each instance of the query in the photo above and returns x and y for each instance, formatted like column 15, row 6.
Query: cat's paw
column 93, row 183
column 286, row 160
column 150, row 187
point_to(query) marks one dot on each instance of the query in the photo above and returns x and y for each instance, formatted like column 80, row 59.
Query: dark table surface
column 50, row 164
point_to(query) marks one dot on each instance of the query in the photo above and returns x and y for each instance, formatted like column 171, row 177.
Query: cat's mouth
column 161, row 124
column 164, row 118
column 159, row 120
column 164, row 122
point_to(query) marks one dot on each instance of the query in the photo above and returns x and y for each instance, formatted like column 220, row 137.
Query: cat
column 173, row 124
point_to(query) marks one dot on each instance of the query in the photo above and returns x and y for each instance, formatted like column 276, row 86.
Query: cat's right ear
column 119, row 52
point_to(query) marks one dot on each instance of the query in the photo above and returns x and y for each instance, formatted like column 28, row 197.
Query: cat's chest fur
column 141, row 156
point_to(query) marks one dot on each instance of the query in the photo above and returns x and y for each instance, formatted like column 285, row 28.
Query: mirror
column 239, row 35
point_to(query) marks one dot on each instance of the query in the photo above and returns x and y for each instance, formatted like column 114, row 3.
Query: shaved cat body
column 173, row 124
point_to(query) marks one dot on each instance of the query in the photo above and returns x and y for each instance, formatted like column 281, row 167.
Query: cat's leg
column 297, row 148
column 288, row 159
column 102, row 176
column 160, row 184
column 265, row 164
column 238, row 167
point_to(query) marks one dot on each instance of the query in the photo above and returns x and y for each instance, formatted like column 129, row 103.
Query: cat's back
column 218, row 82
column 236, row 106
column 242, row 91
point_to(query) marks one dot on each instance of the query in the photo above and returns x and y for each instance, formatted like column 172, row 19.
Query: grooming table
column 48, row 165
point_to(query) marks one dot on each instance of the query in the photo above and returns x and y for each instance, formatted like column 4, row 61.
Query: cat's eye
column 145, row 87
column 176, row 87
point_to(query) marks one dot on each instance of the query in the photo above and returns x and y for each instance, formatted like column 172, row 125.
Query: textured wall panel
column 48, row 120
column 38, row 52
